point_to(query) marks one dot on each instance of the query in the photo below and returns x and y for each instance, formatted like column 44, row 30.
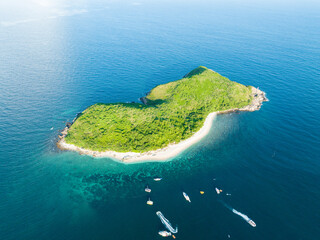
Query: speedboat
column 166, row 223
column 147, row 189
column 164, row 233
column 149, row 202
column 217, row 190
column 157, row 179
column 245, row 217
column 186, row 197
column 252, row 223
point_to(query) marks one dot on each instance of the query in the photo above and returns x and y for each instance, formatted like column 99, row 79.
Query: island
column 169, row 119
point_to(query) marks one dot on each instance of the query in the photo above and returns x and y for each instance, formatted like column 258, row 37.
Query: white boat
column 217, row 190
column 164, row 233
column 166, row 223
column 157, row 179
column 147, row 189
column 252, row 223
column 186, row 197
column 149, row 202
column 245, row 217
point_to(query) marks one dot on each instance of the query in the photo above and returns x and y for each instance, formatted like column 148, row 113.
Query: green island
column 170, row 113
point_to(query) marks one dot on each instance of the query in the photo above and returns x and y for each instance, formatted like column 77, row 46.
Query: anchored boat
column 164, row 233
column 149, row 202
column 186, row 197
column 166, row 223
column 147, row 189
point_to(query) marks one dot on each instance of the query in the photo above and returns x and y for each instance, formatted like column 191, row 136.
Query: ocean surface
column 59, row 57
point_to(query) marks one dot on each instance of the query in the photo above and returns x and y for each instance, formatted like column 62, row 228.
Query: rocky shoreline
column 165, row 153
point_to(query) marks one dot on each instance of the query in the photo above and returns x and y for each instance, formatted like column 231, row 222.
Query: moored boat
column 149, row 202
column 147, row 189
column 157, row 179
column 164, row 233
column 186, row 197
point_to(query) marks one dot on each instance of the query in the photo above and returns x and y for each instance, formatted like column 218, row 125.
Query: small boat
column 149, row 202
column 186, row 197
column 51, row 128
column 147, row 189
column 245, row 217
column 228, row 194
column 252, row 223
column 164, row 233
column 157, row 179
column 201, row 192
column 217, row 190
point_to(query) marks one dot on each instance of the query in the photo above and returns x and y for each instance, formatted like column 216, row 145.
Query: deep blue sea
column 59, row 57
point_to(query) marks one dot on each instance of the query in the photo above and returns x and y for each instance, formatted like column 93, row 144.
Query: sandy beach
column 172, row 150
column 162, row 154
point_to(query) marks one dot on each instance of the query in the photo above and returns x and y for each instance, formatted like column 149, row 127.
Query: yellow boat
column 149, row 202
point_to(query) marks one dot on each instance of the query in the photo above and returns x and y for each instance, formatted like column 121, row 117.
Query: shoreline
column 170, row 151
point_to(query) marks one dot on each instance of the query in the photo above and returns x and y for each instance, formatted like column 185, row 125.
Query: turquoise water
column 58, row 58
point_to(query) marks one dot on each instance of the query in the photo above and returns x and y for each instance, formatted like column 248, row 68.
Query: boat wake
column 166, row 223
column 245, row 217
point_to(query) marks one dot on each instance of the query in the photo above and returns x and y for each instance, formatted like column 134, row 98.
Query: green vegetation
column 174, row 111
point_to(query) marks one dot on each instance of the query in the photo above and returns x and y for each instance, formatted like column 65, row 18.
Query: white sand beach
column 162, row 154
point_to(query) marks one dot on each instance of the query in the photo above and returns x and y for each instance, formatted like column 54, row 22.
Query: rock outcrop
column 258, row 97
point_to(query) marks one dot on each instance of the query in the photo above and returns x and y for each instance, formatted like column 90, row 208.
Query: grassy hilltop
column 174, row 111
